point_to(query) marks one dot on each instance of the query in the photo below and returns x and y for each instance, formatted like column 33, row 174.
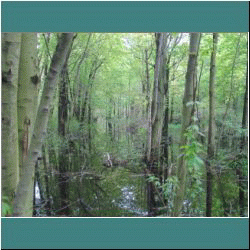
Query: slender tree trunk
column 165, row 125
column 171, row 110
column 232, row 77
column 46, row 180
column 242, row 146
column 211, row 126
column 148, row 110
column 11, row 43
column 110, row 126
column 63, row 150
column 22, row 204
column 186, row 119
column 147, row 83
column 79, row 89
column 90, row 124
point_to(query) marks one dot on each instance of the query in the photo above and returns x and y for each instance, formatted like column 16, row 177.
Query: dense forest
column 124, row 124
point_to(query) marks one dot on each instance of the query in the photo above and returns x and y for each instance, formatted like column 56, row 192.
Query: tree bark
column 157, row 108
column 157, row 114
column 27, row 93
column 186, row 119
column 11, row 43
column 165, row 124
column 62, row 130
column 23, row 199
column 211, row 126
column 242, row 147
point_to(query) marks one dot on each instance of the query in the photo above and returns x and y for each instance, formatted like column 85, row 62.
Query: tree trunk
column 27, row 93
column 245, row 112
column 158, row 108
column 242, row 146
column 109, row 121
column 23, row 199
column 171, row 110
column 148, row 110
column 147, row 83
column 46, row 181
column 186, row 119
column 157, row 113
column 11, row 43
column 63, row 149
column 211, row 126
column 165, row 125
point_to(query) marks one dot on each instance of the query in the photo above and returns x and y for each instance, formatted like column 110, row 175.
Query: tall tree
column 62, row 131
column 23, row 198
column 27, row 93
column 171, row 44
column 186, row 118
column 239, row 170
column 11, row 43
column 211, row 126
column 157, row 112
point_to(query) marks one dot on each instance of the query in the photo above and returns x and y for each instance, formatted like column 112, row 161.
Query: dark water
column 131, row 201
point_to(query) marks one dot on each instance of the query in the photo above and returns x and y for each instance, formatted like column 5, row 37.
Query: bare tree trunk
column 171, row 110
column 165, row 125
column 63, row 150
column 148, row 110
column 157, row 114
column 46, row 180
column 158, row 95
column 11, row 43
column 242, row 146
column 22, row 204
column 186, row 119
column 147, row 82
column 27, row 93
column 211, row 126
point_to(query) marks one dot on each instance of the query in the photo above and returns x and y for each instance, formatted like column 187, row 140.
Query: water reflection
column 131, row 201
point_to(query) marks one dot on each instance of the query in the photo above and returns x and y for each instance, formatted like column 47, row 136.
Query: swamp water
column 94, row 198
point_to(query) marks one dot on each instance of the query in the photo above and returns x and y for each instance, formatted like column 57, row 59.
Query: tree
column 186, row 118
column 28, row 83
column 62, row 131
column 23, row 199
column 157, row 112
column 11, row 43
column 239, row 170
column 211, row 128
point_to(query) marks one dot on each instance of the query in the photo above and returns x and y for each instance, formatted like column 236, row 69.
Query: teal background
column 36, row 16
column 34, row 233
column 151, row 233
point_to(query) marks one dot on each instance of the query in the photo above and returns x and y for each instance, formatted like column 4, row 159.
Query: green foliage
column 166, row 189
column 240, row 162
column 115, row 97
column 155, row 180
column 193, row 148
column 192, row 151
column 7, row 208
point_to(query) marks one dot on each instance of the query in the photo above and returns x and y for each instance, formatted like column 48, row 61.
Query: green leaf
column 6, row 208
